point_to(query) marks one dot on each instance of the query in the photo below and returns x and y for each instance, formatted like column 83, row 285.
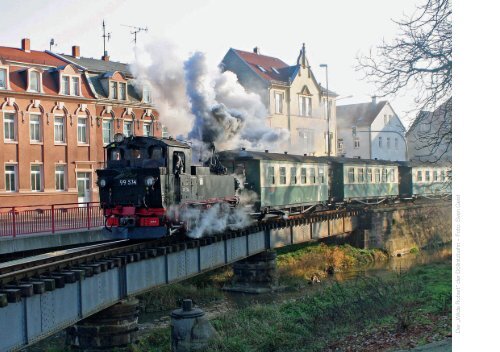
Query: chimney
column 75, row 51
column 25, row 45
column 374, row 99
column 105, row 57
column 285, row 152
column 256, row 50
column 267, row 150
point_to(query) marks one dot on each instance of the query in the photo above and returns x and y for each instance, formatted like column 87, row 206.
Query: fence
column 27, row 220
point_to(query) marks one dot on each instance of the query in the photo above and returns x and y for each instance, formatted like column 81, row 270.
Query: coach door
column 83, row 184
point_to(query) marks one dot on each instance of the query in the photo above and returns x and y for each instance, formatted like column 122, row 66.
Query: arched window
column 9, row 126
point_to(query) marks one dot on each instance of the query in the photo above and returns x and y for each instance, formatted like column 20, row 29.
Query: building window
column 293, row 175
column 306, row 139
column 9, row 126
column 321, row 175
column 114, row 90
column 35, row 128
column 340, row 145
column 386, row 119
column 3, row 78
column 377, row 175
column 312, row 175
column 303, row 175
column 384, row 175
column 123, row 91
column 164, row 132
column 127, row 128
column 60, row 177
column 282, row 175
column 388, row 142
column 10, row 178
column 435, row 174
column 278, row 102
column 361, row 175
column 356, row 143
column 443, row 177
column 419, row 175
column 327, row 108
column 36, row 178
column 380, row 142
column 427, row 175
column 107, row 131
column 59, row 129
column 75, row 85
column 270, row 175
column 82, row 130
column 65, row 85
column 369, row 176
column 350, row 175
column 34, row 81
column 146, row 129
column 146, row 94
column 305, row 106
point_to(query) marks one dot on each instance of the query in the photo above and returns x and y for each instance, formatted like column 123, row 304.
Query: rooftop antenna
column 52, row 43
column 104, row 36
column 135, row 31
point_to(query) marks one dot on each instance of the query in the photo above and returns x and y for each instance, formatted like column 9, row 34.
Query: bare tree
column 421, row 58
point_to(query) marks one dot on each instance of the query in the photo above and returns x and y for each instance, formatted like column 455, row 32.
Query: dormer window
column 114, row 90
column 146, row 94
column 123, row 91
column 3, row 78
column 275, row 70
column 34, row 81
column 70, row 85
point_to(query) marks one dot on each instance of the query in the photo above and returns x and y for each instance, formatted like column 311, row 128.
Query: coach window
column 312, row 175
column 303, row 176
column 361, row 175
column 391, row 175
column 282, row 175
column 384, row 175
column 156, row 153
column 135, row 153
column 419, row 175
column 321, row 174
column 350, row 175
column 427, row 176
column 377, row 175
column 293, row 175
column 270, row 175
column 369, row 176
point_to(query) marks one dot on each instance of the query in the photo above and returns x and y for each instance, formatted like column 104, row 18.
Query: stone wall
column 400, row 229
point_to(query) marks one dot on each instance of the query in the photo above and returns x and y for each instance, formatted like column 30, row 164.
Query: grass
column 315, row 320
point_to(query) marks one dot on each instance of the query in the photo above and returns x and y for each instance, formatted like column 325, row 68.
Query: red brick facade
column 52, row 123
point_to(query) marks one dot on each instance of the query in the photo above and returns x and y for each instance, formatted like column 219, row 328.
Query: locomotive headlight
column 149, row 181
column 102, row 182
column 118, row 137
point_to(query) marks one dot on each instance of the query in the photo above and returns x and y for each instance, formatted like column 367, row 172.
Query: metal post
column 329, row 142
column 52, row 215
column 13, row 221
column 88, row 215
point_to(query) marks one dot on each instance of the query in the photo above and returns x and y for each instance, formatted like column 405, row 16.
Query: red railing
column 26, row 220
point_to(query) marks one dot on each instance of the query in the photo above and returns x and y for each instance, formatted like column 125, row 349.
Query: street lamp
column 329, row 148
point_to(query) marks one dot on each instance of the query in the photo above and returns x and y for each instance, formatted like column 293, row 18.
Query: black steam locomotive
column 148, row 182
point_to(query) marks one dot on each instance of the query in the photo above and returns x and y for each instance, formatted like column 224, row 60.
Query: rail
column 37, row 219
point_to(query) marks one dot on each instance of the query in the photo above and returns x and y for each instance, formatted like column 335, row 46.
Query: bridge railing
column 36, row 219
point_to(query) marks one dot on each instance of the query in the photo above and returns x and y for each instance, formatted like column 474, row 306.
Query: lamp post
column 329, row 147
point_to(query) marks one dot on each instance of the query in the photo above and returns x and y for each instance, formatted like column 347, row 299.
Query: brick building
column 57, row 112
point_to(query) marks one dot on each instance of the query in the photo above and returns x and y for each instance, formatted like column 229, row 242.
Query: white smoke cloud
column 203, row 104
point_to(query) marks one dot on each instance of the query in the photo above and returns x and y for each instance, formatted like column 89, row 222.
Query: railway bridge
column 40, row 298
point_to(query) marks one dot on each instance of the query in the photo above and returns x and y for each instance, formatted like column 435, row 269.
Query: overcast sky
column 335, row 32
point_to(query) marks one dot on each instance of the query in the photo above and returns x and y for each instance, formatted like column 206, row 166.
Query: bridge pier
column 255, row 274
column 110, row 329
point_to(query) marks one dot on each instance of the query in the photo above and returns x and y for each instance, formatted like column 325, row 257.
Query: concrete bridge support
column 256, row 274
column 111, row 329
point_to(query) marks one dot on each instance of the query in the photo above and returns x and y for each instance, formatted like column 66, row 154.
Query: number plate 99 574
column 128, row 182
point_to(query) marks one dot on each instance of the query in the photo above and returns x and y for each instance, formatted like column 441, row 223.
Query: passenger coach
column 281, row 181
column 424, row 179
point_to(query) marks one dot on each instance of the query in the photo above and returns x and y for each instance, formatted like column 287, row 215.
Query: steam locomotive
column 149, row 183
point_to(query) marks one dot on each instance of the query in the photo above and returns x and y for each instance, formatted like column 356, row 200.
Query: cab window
column 115, row 154
column 156, row 153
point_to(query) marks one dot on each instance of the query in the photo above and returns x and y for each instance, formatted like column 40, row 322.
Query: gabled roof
column 358, row 114
column 428, row 116
column 98, row 65
column 31, row 57
column 284, row 72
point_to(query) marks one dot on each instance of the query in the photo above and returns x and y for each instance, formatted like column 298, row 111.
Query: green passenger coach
column 424, row 179
column 281, row 181
column 362, row 180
